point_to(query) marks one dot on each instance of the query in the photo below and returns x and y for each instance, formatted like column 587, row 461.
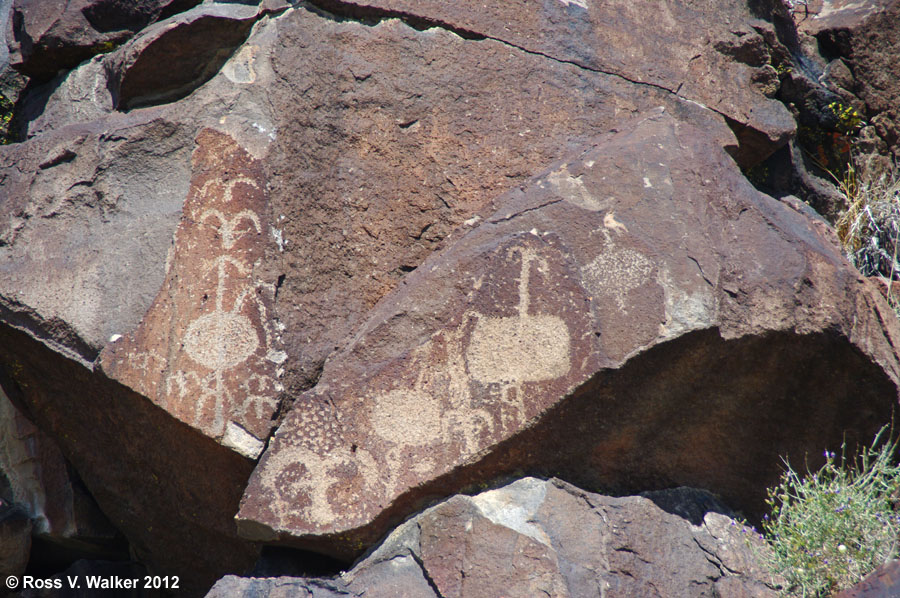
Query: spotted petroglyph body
column 211, row 366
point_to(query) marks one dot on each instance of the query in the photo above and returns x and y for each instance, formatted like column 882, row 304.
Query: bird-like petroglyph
column 212, row 366
column 472, row 383
column 617, row 270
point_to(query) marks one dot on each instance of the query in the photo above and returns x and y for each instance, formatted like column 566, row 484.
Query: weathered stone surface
column 687, row 49
column 90, row 210
column 164, row 63
column 394, row 138
column 15, row 538
column 169, row 489
column 864, row 37
column 547, row 538
column 34, row 476
column 47, row 37
column 884, row 582
column 89, row 196
column 206, row 350
column 636, row 317
column 79, row 96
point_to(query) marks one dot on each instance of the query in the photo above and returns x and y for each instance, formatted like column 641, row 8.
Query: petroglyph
column 351, row 448
column 322, row 478
column 616, row 272
column 610, row 222
column 521, row 348
column 240, row 68
column 572, row 188
column 407, row 416
column 207, row 335
column 221, row 340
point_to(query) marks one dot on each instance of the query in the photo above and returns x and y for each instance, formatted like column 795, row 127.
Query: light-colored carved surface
column 206, row 351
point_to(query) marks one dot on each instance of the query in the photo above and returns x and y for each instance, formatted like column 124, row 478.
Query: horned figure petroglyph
column 225, row 337
column 507, row 351
column 512, row 351
column 439, row 412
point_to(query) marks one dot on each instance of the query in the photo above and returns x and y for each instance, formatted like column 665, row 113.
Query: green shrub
column 830, row 529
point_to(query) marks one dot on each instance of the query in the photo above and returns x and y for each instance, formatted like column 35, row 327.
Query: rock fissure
column 425, row 573
column 714, row 560
column 359, row 13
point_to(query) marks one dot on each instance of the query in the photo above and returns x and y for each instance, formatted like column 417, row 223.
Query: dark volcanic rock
column 168, row 488
column 35, row 476
column 165, row 62
column 546, row 538
column 884, row 582
column 636, row 317
column 219, row 373
column 684, row 48
column 863, row 41
column 91, row 204
column 82, row 209
column 394, row 138
column 47, row 37
column 15, row 538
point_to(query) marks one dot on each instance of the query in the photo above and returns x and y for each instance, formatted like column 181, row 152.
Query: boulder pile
column 286, row 285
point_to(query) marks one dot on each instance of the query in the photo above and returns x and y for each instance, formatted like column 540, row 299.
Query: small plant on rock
column 830, row 529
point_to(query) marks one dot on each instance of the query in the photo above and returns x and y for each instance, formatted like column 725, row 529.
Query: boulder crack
column 425, row 574
column 372, row 15
column 525, row 211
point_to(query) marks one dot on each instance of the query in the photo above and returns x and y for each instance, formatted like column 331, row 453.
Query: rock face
column 403, row 136
column 162, row 64
column 220, row 375
column 37, row 485
column 325, row 219
column 546, row 538
column 862, row 39
column 15, row 539
column 884, row 582
column 46, row 37
column 607, row 321
column 614, row 38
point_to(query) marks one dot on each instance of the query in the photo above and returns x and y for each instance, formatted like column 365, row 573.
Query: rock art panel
column 429, row 136
column 206, row 350
column 354, row 448
column 602, row 323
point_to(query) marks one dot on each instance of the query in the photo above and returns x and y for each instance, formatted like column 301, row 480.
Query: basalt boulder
column 548, row 538
column 48, row 37
column 163, row 63
column 182, row 273
column 39, row 487
column 636, row 317
column 719, row 61
column 862, row 42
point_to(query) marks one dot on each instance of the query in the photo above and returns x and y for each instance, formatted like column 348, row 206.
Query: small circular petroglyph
column 220, row 340
column 407, row 416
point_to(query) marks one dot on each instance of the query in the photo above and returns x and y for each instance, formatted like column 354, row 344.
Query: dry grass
column 869, row 229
